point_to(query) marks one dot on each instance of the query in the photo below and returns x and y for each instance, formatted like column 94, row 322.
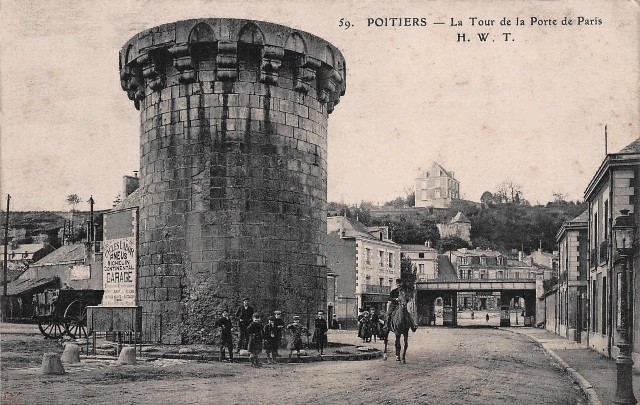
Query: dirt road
column 444, row 366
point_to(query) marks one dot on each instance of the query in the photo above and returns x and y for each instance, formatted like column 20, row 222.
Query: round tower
column 233, row 169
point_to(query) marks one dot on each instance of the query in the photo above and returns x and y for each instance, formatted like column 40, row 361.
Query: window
column 500, row 274
column 532, row 275
column 381, row 280
column 390, row 260
column 461, row 274
column 605, row 224
column 604, row 305
column 483, row 275
column 368, row 277
column 469, row 274
column 381, row 257
column 390, row 281
column 367, row 256
column 517, row 275
column 421, row 268
column 420, row 255
column 595, row 230
column 594, row 300
column 500, row 260
column 463, row 260
column 483, row 260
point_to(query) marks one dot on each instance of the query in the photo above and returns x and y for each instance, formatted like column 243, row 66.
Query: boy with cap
column 226, row 338
column 320, row 332
column 280, row 325
column 296, row 329
column 254, row 337
column 243, row 315
column 270, row 335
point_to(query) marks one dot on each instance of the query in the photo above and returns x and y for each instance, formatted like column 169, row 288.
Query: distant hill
column 50, row 222
column 503, row 226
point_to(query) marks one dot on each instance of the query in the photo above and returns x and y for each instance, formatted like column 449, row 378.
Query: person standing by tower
column 244, row 316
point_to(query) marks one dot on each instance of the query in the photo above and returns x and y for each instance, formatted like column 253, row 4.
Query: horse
column 400, row 324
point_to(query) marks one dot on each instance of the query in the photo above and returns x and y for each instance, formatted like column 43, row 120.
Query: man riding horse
column 398, row 321
column 395, row 302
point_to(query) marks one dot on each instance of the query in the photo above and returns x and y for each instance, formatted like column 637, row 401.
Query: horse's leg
column 406, row 343
column 397, row 347
column 386, row 341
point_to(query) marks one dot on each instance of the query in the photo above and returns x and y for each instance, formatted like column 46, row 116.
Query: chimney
column 131, row 184
column 428, row 243
column 520, row 255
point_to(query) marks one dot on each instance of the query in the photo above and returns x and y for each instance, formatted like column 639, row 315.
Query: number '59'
column 344, row 23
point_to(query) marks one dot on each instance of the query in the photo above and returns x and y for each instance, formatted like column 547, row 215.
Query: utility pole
column 4, row 274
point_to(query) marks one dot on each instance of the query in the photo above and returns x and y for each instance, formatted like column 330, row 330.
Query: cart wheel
column 52, row 327
column 75, row 320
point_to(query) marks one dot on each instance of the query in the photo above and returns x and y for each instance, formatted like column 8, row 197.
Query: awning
column 21, row 286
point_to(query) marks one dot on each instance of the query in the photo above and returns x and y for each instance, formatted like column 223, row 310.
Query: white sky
column 530, row 110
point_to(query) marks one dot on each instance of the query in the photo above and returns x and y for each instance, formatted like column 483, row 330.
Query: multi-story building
column 569, row 311
column 487, row 264
column 424, row 258
column 613, row 188
column 436, row 187
column 364, row 263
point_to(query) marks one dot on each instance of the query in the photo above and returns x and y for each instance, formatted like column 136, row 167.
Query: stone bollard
column 51, row 364
column 233, row 166
column 71, row 353
column 127, row 356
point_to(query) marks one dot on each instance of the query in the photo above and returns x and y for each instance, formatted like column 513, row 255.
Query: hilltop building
column 436, row 187
column 459, row 227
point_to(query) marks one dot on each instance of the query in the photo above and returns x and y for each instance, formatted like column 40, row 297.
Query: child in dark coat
column 254, row 335
column 296, row 329
column 320, row 332
column 271, row 340
column 226, row 338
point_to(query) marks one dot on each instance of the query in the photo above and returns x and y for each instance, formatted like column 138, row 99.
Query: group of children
column 268, row 337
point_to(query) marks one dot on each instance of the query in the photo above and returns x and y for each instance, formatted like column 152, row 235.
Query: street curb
column 585, row 385
column 244, row 359
column 284, row 360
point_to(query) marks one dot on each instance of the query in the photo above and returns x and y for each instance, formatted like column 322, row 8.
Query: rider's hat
column 296, row 318
column 277, row 312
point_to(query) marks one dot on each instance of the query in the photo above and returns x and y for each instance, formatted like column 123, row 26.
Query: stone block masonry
column 233, row 169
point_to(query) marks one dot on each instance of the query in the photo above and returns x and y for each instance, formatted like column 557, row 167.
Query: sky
column 530, row 109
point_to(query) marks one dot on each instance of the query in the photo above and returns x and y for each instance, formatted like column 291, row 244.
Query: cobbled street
column 444, row 366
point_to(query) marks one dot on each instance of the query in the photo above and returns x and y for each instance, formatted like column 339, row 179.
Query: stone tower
column 233, row 168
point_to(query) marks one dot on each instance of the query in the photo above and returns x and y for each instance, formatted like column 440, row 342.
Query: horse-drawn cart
column 62, row 312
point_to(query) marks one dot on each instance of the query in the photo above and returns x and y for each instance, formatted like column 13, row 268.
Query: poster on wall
column 119, row 260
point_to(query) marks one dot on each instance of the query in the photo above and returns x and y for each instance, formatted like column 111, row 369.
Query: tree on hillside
column 451, row 243
column 411, row 199
column 407, row 275
column 487, row 198
column 509, row 192
column 73, row 200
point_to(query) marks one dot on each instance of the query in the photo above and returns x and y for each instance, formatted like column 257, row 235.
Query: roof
column 131, row 201
column 581, row 221
column 584, row 217
column 21, row 286
column 460, row 218
column 27, row 247
column 633, row 147
column 352, row 228
column 446, row 271
column 410, row 248
column 476, row 253
column 64, row 254
column 628, row 156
